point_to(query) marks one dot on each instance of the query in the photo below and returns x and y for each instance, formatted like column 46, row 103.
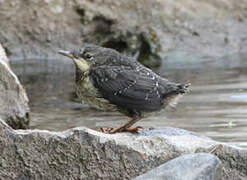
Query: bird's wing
column 127, row 87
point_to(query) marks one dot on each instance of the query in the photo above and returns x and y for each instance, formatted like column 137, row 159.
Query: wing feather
column 128, row 88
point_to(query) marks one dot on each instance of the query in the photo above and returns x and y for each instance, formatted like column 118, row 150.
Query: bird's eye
column 88, row 56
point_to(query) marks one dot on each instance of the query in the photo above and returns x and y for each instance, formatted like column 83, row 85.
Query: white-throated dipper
column 108, row 80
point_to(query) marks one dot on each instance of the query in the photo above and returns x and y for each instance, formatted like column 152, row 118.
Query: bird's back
column 133, row 88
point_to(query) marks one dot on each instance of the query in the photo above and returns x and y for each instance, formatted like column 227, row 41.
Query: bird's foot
column 133, row 130
column 109, row 130
column 106, row 129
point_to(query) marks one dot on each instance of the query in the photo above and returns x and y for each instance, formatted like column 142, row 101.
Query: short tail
column 183, row 88
column 171, row 99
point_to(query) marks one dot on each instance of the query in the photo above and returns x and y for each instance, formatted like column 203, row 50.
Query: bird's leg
column 126, row 126
column 133, row 130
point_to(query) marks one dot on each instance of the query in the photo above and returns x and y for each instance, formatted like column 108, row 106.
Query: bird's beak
column 66, row 53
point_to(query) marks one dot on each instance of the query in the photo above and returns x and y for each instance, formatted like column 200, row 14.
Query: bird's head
column 88, row 56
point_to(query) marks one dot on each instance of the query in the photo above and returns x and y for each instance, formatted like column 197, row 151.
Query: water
column 216, row 107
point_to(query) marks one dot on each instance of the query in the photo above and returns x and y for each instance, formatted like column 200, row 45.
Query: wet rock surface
column 14, row 107
column 82, row 153
column 201, row 166
column 150, row 30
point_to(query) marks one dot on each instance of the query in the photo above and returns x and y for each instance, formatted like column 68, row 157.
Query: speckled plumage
column 110, row 81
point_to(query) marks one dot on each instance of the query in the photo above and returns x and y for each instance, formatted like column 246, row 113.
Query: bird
column 110, row 81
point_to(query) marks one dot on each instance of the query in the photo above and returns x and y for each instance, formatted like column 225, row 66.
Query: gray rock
column 82, row 153
column 154, row 29
column 199, row 166
column 3, row 56
column 14, row 107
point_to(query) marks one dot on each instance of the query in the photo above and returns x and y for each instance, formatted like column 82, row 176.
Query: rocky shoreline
column 82, row 153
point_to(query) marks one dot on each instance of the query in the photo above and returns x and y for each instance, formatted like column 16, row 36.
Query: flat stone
column 82, row 153
column 14, row 107
column 201, row 166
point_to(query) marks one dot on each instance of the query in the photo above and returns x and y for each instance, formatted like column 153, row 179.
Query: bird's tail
column 183, row 88
column 171, row 99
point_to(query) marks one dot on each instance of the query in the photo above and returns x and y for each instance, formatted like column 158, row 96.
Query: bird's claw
column 133, row 130
column 106, row 129
column 110, row 130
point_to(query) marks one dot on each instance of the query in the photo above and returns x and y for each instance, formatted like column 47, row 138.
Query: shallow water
column 215, row 107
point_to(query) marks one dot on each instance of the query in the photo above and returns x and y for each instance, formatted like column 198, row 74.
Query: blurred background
column 203, row 42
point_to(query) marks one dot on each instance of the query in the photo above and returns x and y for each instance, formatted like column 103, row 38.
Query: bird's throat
column 82, row 65
column 82, row 69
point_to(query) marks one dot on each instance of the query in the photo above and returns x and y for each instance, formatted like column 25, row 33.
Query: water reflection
column 216, row 106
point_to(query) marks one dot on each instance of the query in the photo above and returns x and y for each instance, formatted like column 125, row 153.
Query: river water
column 216, row 106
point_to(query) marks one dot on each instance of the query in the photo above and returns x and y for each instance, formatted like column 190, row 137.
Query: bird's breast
column 86, row 92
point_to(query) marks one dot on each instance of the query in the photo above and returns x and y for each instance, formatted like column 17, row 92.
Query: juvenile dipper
column 108, row 80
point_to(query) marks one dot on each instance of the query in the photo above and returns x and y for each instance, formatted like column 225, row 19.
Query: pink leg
column 126, row 127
